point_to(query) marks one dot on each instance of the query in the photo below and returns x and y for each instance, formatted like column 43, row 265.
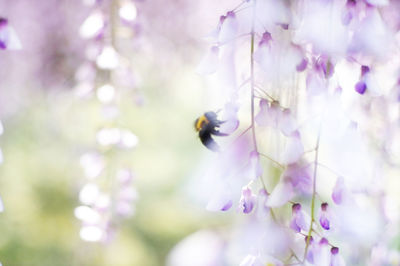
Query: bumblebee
column 208, row 125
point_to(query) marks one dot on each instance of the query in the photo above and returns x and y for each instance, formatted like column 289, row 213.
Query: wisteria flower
column 247, row 201
column 300, row 220
column 8, row 37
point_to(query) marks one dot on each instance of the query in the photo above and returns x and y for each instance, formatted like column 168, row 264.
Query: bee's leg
column 217, row 133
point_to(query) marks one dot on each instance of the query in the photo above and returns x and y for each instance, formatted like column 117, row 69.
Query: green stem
column 313, row 196
column 252, row 78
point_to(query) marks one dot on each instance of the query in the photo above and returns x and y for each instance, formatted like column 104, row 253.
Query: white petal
column 209, row 63
column 128, row 11
column 92, row 25
column 108, row 59
column 91, row 233
column 287, row 123
column 322, row 26
column 87, row 214
column 282, row 193
column 294, row 150
column 1, row 205
column 270, row 13
column 105, row 93
column 89, row 194
column 13, row 41
column 220, row 200
column 228, row 30
column 372, row 37
column 128, row 139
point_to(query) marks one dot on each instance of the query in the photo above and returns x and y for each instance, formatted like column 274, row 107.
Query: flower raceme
column 307, row 121
column 104, row 72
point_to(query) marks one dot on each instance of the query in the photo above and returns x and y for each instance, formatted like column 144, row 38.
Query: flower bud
column 323, row 219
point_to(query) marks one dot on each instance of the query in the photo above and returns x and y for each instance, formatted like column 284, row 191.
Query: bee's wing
column 208, row 141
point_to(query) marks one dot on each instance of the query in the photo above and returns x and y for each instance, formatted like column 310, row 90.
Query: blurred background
column 48, row 127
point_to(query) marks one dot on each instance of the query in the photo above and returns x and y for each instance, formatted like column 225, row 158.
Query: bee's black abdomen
column 208, row 141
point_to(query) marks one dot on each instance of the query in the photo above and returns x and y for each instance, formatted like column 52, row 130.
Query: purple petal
column 302, row 65
column 324, row 241
column 284, row 26
column 336, row 258
column 296, row 208
column 221, row 200
column 266, row 38
column 338, row 191
column 364, row 70
column 248, row 206
column 323, row 220
column 247, row 201
column 227, row 206
column 346, row 18
column 302, row 220
column 361, row 87
column 334, row 250
column 310, row 256
column 294, row 225
column 299, row 176
column 3, row 22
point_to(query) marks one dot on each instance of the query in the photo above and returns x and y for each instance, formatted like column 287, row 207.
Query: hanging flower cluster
column 314, row 85
column 107, row 197
column 8, row 41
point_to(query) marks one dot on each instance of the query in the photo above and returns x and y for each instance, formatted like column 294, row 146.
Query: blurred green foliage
column 41, row 177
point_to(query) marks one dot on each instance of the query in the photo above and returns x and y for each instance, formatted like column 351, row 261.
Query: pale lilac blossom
column 210, row 62
column 247, row 201
column 262, row 210
column 8, row 37
column 324, row 216
column 300, row 220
